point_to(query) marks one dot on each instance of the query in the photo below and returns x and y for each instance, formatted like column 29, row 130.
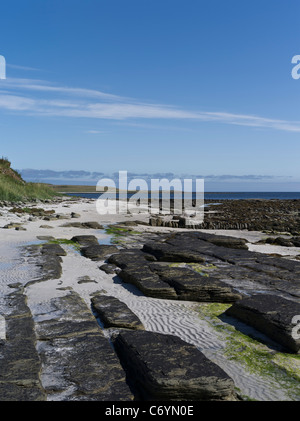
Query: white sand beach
column 184, row 319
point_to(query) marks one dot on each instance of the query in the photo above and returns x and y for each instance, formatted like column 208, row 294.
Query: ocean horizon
column 215, row 195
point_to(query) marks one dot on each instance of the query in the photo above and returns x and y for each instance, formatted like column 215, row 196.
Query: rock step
column 85, row 240
column 78, row 360
column 191, row 286
column 98, row 252
column 164, row 367
column 147, row 282
column 167, row 282
column 19, row 361
column 115, row 313
column 125, row 258
column 92, row 225
column 237, row 263
column 47, row 258
column 271, row 315
column 169, row 253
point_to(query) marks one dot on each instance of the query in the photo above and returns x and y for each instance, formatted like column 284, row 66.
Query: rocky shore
column 160, row 314
column 252, row 214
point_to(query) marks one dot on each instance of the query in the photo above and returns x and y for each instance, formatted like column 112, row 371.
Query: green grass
column 119, row 234
column 14, row 190
column 4, row 162
column 65, row 241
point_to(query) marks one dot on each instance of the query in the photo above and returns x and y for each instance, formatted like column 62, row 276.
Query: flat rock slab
column 54, row 249
column 190, row 247
column 169, row 253
column 85, row 240
column 20, row 364
column 115, row 313
column 78, row 362
column 129, row 257
column 223, row 240
column 99, row 251
column 92, row 225
column 164, row 367
column 243, row 269
column 2, row 328
column 147, row 282
column 82, row 368
column 108, row 268
column 271, row 315
column 47, row 258
column 68, row 316
column 158, row 281
column 192, row 286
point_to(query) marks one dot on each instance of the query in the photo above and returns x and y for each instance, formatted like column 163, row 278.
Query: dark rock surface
column 228, row 272
column 224, row 240
column 92, row 225
column 129, row 257
column 194, row 246
column 254, row 215
column 271, row 315
column 192, row 286
column 53, row 249
column 20, row 364
column 85, row 240
column 108, row 268
column 78, row 361
column 86, row 280
column 82, row 368
column 148, row 282
column 114, row 313
column 166, row 253
column 47, row 259
column 282, row 241
column 243, row 269
column 163, row 367
column 98, row 252
column 249, row 214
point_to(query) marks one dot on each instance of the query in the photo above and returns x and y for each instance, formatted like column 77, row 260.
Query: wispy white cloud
column 38, row 97
column 26, row 68
column 95, row 131
column 43, row 86
column 16, row 103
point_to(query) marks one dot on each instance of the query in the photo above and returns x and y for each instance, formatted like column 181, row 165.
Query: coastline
column 193, row 322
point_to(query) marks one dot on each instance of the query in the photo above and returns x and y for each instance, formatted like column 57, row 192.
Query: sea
column 218, row 195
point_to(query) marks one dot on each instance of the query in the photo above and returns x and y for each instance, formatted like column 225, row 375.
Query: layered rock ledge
column 163, row 367
column 47, row 258
column 246, row 214
column 20, row 364
column 114, row 313
column 78, row 362
column 271, row 315
column 205, row 270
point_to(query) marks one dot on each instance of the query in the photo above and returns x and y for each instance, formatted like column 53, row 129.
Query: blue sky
column 193, row 87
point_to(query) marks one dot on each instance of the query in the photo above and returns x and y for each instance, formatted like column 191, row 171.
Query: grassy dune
column 13, row 188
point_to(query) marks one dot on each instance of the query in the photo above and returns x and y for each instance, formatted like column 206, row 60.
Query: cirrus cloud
column 42, row 98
